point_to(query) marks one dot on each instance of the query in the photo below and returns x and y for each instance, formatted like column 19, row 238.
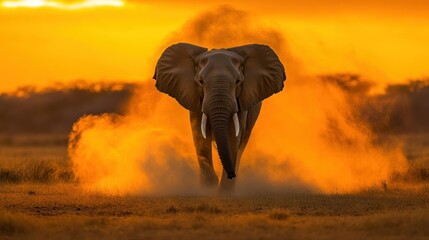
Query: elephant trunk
column 220, row 132
column 220, row 106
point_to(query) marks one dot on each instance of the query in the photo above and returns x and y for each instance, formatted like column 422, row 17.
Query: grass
column 40, row 199
column 36, row 172
column 66, row 211
column 43, row 162
column 279, row 214
column 14, row 223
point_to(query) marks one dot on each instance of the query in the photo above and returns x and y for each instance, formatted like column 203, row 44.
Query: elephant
column 223, row 90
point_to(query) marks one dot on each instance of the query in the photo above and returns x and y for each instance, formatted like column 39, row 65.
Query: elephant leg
column 247, row 120
column 251, row 117
column 203, row 149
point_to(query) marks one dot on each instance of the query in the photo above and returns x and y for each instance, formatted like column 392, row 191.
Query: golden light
column 62, row 5
column 306, row 137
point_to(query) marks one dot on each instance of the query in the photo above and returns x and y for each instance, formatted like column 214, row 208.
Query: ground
column 41, row 200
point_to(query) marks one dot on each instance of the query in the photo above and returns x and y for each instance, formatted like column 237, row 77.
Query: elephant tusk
column 236, row 124
column 203, row 125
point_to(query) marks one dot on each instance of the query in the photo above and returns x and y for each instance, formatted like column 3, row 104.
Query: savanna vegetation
column 41, row 198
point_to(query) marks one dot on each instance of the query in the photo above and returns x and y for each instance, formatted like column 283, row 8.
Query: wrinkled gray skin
column 219, row 84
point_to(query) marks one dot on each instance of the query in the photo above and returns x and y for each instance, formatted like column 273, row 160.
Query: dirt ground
column 40, row 200
column 64, row 211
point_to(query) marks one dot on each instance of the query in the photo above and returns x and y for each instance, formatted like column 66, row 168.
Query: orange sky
column 386, row 41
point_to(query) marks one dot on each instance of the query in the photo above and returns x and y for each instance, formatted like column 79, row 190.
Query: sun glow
column 63, row 5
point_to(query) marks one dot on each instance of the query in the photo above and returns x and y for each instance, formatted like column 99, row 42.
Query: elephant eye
column 238, row 81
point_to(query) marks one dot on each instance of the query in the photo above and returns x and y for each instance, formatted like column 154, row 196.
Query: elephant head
column 219, row 83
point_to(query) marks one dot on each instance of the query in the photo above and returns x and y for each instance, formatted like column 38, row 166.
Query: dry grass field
column 40, row 199
column 91, row 147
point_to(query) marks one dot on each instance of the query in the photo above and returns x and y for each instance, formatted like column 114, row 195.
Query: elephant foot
column 227, row 186
column 209, row 179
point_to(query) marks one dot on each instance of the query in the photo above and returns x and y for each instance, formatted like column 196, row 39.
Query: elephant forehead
column 222, row 55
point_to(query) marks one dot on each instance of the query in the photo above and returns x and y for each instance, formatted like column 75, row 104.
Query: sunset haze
column 42, row 43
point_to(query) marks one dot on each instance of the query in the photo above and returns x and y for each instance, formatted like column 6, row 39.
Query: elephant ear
column 264, row 74
column 175, row 74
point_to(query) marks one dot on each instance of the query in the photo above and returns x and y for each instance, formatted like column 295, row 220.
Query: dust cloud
column 308, row 137
column 145, row 151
